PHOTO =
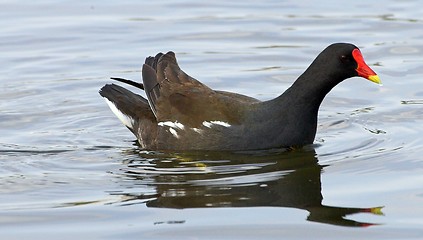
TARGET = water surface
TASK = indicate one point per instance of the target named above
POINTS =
(69, 169)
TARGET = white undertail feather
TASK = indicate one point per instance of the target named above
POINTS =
(125, 119)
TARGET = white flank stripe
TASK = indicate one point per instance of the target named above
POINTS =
(220, 123)
(174, 133)
(197, 130)
(175, 124)
(224, 124)
(125, 119)
(207, 124)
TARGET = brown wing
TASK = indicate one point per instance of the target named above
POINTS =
(175, 96)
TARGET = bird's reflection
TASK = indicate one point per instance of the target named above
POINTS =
(250, 179)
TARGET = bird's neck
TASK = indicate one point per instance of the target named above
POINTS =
(298, 108)
(308, 91)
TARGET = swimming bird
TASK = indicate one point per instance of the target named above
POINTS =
(182, 113)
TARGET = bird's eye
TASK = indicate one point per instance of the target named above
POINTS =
(344, 58)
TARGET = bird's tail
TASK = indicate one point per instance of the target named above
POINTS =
(129, 107)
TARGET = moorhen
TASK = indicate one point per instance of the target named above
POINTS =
(182, 113)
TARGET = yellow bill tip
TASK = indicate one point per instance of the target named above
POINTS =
(375, 79)
(377, 210)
